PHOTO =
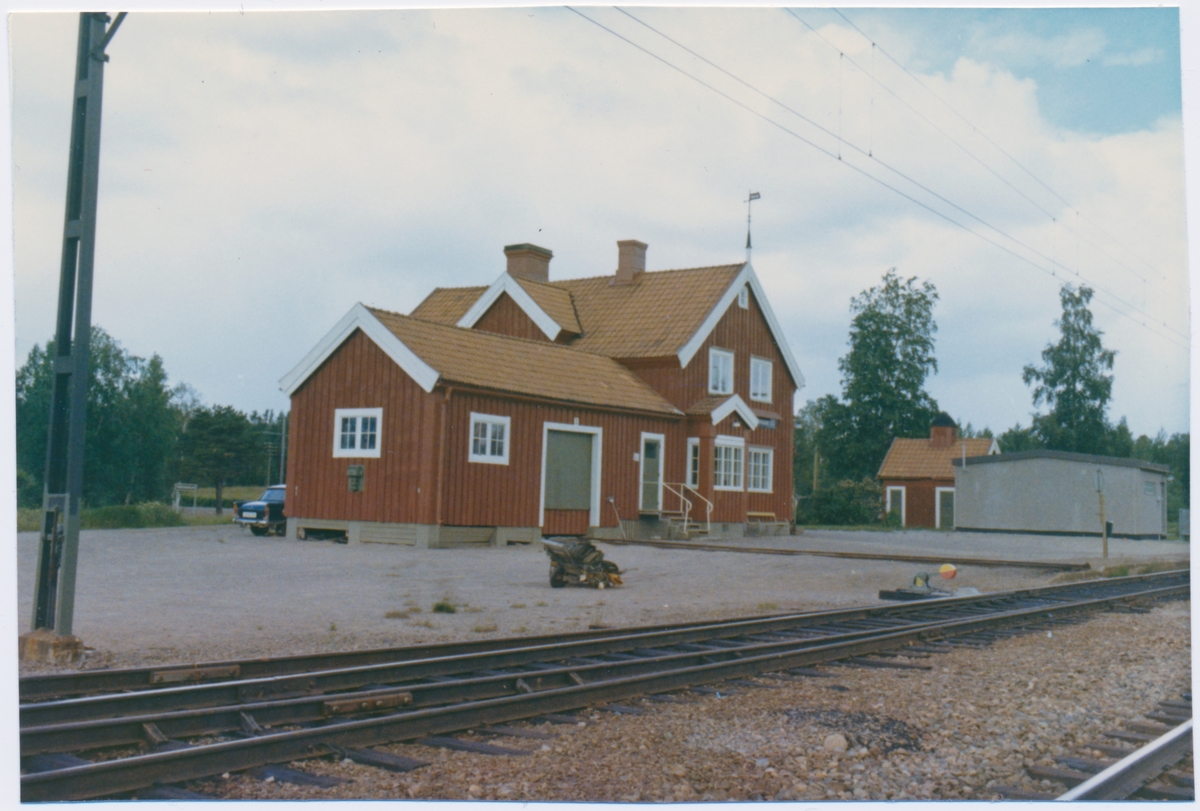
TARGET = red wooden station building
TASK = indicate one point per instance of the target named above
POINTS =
(637, 404)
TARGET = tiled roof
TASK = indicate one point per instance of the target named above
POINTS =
(520, 366)
(653, 317)
(706, 405)
(918, 459)
(446, 305)
(555, 302)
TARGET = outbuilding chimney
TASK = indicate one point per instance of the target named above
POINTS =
(943, 431)
(526, 261)
(631, 261)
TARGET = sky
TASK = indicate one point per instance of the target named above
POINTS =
(262, 172)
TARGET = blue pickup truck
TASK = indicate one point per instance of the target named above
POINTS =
(264, 516)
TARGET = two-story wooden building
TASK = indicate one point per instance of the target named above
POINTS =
(639, 403)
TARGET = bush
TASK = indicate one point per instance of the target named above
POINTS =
(130, 516)
(847, 502)
(444, 607)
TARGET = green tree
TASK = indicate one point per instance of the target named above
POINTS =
(883, 378)
(220, 446)
(129, 432)
(1072, 381)
(804, 442)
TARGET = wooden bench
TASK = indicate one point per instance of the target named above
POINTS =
(762, 520)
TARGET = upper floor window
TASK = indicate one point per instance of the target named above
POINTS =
(356, 432)
(760, 380)
(744, 298)
(727, 463)
(720, 371)
(489, 439)
(758, 469)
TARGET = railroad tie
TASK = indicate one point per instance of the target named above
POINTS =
(514, 732)
(383, 760)
(1161, 791)
(285, 774)
(1169, 718)
(1182, 779)
(711, 691)
(1084, 764)
(165, 792)
(52, 762)
(1013, 793)
(1155, 729)
(459, 745)
(809, 672)
(620, 709)
(667, 699)
(553, 718)
(862, 662)
(749, 683)
(1068, 777)
(1117, 752)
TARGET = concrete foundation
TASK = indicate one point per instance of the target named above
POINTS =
(421, 536)
(46, 647)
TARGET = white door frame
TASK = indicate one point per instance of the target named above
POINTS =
(937, 505)
(887, 505)
(597, 442)
(662, 446)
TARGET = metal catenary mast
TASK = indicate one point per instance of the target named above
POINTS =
(54, 594)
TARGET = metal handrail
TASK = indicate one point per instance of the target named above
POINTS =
(684, 500)
(708, 505)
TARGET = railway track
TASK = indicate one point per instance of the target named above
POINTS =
(149, 736)
(1141, 761)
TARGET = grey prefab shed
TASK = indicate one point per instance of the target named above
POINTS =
(1059, 493)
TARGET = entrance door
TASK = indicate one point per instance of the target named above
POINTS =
(651, 474)
(568, 484)
(945, 508)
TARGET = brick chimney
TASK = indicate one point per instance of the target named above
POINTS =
(631, 261)
(943, 431)
(526, 261)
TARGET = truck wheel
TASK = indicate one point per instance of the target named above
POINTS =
(259, 531)
(557, 578)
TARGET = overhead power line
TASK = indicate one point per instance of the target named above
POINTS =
(1006, 154)
(839, 157)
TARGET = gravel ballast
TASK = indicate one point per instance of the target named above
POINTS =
(971, 722)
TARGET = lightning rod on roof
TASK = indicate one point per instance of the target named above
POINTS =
(753, 196)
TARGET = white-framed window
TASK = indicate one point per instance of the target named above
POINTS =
(489, 439)
(693, 461)
(760, 380)
(356, 432)
(720, 371)
(744, 298)
(759, 467)
(727, 462)
(895, 503)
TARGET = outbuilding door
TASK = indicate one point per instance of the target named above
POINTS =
(945, 508)
(568, 484)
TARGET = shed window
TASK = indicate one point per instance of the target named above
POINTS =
(758, 469)
(727, 463)
(356, 432)
(760, 380)
(744, 298)
(693, 462)
(720, 371)
(489, 439)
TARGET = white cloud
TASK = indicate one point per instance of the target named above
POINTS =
(261, 173)
(1142, 56)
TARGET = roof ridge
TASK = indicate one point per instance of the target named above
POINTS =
(651, 272)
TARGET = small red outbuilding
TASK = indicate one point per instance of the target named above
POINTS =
(918, 478)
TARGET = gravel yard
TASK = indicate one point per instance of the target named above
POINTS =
(205, 593)
(973, 721)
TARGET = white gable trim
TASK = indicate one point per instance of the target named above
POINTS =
(507, 284)
(360, 317)
(735, 403)
(747, 276)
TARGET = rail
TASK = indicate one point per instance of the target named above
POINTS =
(686, 503)
(538, 680)
(1129, 774)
